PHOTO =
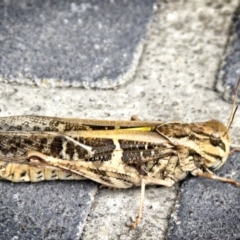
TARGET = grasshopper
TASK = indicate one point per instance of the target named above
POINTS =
(117, 154)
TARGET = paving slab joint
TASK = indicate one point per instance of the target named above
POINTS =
(219, 84)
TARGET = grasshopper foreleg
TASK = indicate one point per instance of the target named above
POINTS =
(200, 173)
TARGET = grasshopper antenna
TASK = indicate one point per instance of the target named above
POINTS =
(234, 107)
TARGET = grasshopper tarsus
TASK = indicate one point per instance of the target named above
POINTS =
(135, 224)
(234, 150)
(232, 181)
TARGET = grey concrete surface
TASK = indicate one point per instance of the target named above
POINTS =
(174, 81)
(53, 210)
(113, 212)
(72, 43)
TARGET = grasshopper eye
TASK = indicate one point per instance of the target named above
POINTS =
(215, 139)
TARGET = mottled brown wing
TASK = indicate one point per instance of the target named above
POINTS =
(75, 145)
(42, 123)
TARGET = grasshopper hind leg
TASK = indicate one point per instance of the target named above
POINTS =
(149, 181)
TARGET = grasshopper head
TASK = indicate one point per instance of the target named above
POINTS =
(217, 147)
(215, 144)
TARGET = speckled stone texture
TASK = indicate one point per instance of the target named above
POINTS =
(72, 43)
(46, 210)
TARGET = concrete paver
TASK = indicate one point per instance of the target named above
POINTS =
(52, 210)
(72, 43)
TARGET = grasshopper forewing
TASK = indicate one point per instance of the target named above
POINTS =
(118, 154)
